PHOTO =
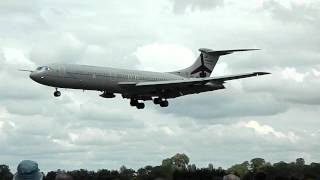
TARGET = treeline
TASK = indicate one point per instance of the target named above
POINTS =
(178, 168)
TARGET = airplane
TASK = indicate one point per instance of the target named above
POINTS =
(140, 86)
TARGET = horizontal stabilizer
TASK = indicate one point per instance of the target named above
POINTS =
(240, 76)
(223, 52)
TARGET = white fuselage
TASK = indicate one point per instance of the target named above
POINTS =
(94, 78)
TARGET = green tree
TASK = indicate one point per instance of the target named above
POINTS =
(180, 161)
(300, 162)
(5, 173)
(126, 173)
(122, 169)
(51, 175)
(167, 163)
(176, 162)
(239, 169)
(247, 164)
(257, 163)
(103, 174)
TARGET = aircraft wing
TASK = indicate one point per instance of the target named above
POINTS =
(187, 82)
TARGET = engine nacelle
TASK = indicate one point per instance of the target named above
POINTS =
(107, 95)
(215, 85)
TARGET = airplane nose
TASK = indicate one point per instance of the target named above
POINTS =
(32, 75)
(37, 76)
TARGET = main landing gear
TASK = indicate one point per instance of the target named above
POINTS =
(161, 102)
(140, 105)
(136, 103)
(57, 93)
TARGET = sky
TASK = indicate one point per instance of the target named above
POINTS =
(275, 117)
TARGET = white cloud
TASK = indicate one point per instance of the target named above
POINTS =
(164, 57)
(92, 136)
(14, 57)
(180, 6)
(169, 131)
(268, 130)
(260, 129)
(292, 74)
(221, 69)
(316, 72)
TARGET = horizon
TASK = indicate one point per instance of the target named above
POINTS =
(13, 170)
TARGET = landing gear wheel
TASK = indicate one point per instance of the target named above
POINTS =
(140, 105)
(57, 93)
(134, 102)
(157, 100)
(164, 103)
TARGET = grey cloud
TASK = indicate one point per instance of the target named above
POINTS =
(230, 103)
(21, 90)
(256, 146)
(16, 6)
(308, 13)
(2, 60)
(289, 90)
(181, 6)
(65, 48)
(282, 44)
(156, 147)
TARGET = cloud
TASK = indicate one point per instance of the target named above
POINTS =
(291, 73)
(291, 86)
(266, 130)
(13, 57)
(190, 5)
(286, 11)
(15, 6)
(164, 57)
(225, 104)
(65, 48)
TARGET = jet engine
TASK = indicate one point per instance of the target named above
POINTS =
(215, 85)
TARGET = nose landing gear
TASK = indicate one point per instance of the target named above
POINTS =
(57, 93)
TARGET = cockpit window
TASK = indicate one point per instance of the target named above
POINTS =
(43, 68)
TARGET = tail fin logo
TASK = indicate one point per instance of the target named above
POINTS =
(202, 68)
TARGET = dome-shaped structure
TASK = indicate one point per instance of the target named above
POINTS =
(231, 177)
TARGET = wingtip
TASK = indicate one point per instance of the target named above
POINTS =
(254, 49)
(262, 73)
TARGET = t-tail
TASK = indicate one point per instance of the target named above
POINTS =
(205, 63)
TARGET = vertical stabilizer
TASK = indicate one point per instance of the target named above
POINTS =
(205, 63)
